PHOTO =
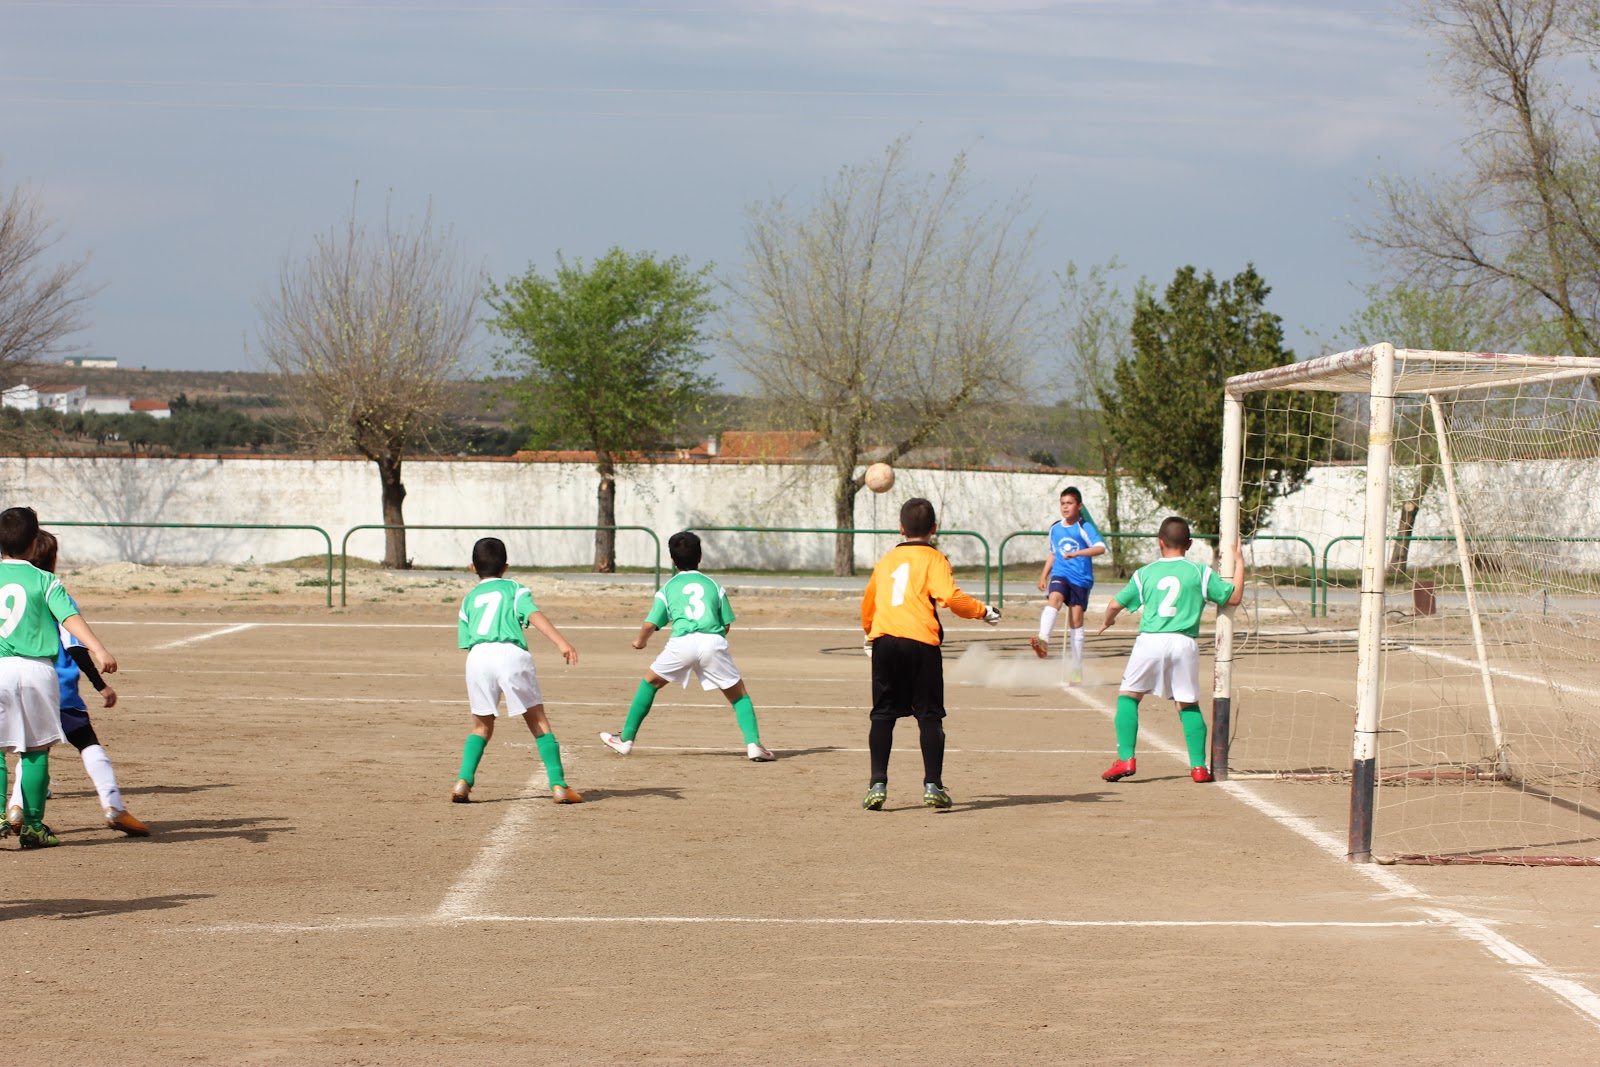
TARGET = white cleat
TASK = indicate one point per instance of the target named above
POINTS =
(617, 744)
(758, 754)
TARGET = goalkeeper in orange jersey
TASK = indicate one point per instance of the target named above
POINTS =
(899, 612)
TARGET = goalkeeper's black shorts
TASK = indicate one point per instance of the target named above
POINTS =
(907, 678)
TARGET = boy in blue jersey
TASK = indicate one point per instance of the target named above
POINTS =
(33, 608)
(74, 662)
(490, 624)
(1068, 576)
(1171, 594)
(697, 609)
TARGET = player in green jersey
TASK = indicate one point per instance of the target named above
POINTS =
(697, 609)
(490, 627)
(32, 604)
(1171, 594)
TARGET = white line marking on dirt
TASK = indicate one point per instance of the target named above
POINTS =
(553, 702)
(243, 626)
(1428, 653)
(1584, 1000)
(437, 919)
(484, 871)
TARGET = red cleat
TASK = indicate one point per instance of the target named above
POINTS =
(1200, 774)
(1040, 646)
(1123, 768)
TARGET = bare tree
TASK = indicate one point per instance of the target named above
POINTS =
(1520, 225)
(882, 311)
(41, 302)
(366, 332)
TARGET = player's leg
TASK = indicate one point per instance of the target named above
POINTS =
(471, 755)
(34, 771)
(1047, 617)
(716, 668)
(643, 698)
(39, 696)
(544, 739)
(1077, 603)
(928, 699)
(744, 712)
(891, 698)
(97, 764)
(1185, 657)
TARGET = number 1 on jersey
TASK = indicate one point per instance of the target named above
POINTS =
(900, 576)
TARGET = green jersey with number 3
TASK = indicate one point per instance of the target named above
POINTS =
(32, 602)
(693, 603)
(1173, 594)
(497, 609)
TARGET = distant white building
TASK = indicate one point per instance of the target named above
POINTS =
(90, 361)
(156, 409)
(107, 405)
(63, 398)
(22, 397)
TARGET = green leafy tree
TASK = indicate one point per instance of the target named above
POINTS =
(608, 357)
(1165, 400)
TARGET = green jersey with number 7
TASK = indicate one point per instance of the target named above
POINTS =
(1173, 594)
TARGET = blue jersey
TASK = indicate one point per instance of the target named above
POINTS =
(67, 672)
(1079, 570)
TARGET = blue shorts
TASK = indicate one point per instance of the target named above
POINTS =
(1077, 595)
(73, 719)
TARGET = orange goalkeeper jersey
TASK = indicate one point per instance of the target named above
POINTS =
(907, 586)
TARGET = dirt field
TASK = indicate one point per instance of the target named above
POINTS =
(310, 896)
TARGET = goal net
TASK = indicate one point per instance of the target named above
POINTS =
(1452, 502)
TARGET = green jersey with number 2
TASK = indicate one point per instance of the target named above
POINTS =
(497, 609)
(32, 602)
(693, 603)
(1173, 594)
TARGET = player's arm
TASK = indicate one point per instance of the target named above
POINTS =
(78, 627)
(1097, 546)
(1044, 575)
(538, 621)
(1131, 598)
(869, 602)
(644, 634)
(1113, 609)
(942, 587)
(1237, 596)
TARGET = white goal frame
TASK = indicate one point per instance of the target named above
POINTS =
(1388, 372)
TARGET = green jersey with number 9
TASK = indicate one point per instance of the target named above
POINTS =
(497, 609)
(1173, 594)
(693, 603)
(32, 602)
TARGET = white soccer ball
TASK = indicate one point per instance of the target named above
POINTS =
(880, 477)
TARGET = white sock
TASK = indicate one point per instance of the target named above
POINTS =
(1077, 645)
(98, 764)
(1047, 622)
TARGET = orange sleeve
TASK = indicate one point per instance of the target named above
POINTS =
(869, 602)
(942, 587)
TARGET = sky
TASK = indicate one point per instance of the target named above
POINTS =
(190, 148)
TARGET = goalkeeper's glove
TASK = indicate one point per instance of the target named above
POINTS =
(991, 615)
(866, 646)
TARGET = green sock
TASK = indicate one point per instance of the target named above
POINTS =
(35, 774)
(745, 712)
(643, 697)
(1127, 726)
(471, 753)
(1194, 732)
(550, 753)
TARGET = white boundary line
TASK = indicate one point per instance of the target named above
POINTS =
(1564, 687)
(462, 898)
(1581, 998)
(180, 643)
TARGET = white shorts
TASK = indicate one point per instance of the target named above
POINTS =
(1167, 665)
(499, 667)
(704, 654)
(30, 703)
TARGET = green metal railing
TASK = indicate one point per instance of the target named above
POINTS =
(1310, 548)
(344, 545)
(1471, 539)
(987, 587)
(218, 526)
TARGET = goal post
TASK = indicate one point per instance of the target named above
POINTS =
(1476, 734)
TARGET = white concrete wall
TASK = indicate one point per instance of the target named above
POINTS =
(337, 494)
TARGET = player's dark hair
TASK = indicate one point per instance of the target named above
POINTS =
(489, 557)
(1175, 533)
(917, 518)
(44, 550)
(18, 528)
(684, 548)
(1072, 491)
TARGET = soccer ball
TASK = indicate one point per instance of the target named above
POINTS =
(880, 477)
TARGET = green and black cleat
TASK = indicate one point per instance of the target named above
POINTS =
(877, 793)
(40, 836)
(934, 796)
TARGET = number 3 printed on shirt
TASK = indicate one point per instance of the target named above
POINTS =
(696, 608)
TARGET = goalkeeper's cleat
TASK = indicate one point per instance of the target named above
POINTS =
(877, 793)
(1123, 768)
(1201, 774)
(124, 821)
(1040, 646)
(934, 796)
(461, 792)
(616, 744)
(40, 836)
(757, 754)
(565, 794)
